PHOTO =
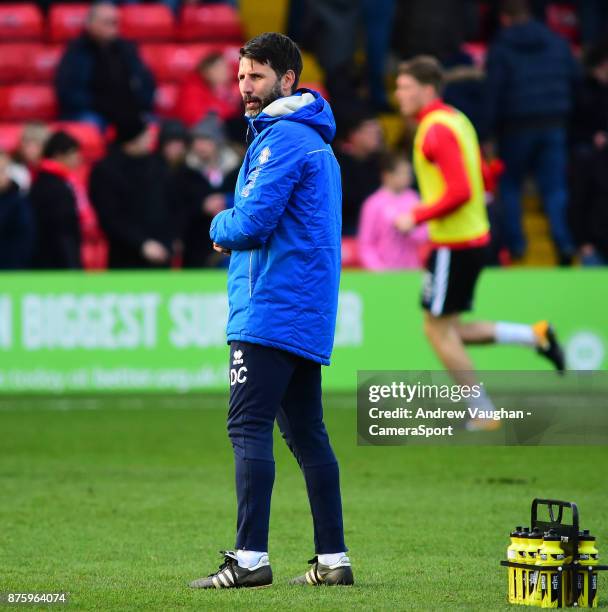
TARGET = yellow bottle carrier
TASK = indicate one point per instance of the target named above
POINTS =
(553, 564)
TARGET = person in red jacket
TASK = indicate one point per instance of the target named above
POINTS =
(209, 88)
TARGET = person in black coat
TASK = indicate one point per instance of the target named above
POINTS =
(127, 189)
(531, 76)
(359, 143)
(588, 211)
(203, 187)
(101, 78)
(54, 205)
(16, 223)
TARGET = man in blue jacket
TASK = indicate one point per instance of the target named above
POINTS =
(284, 238)
(531, 75)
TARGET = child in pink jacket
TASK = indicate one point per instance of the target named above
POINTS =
(381, 245)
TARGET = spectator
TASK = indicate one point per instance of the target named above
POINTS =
(204, 188)
(589, 209)
(211, 155)
(589, 120)
(173, 141)
(359, 144)
(29, 153)
(127, 191)
(589, 159)
(172, 148)
(101, 78)
(381, 245)
(530, 78)
(438, 28)
(58, 237)
(16, 223)
(210, 88)
(330, 30)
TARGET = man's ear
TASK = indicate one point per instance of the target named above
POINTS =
(287, 82)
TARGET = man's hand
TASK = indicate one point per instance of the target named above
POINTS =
(600, 139)
(155, 252)
(220, 249)
(405, 223)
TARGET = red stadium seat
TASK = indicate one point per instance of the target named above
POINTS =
(66, 21)
(166, 98)
(169, 62)
(28, 62)
(562, 19)
(350, 253)
(10, 135)
(20, 22)
(11, 61)
(147, 22)
(91, 141)
(216, 22)
(43, 62)
(24, 102)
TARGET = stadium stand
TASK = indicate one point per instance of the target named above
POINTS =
(172, 62)
(216, 22)
(66, 21)
(20, 22)
(28, 62)
(10, 135)
(147, 22)
(27, 101)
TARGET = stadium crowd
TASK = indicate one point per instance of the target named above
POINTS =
(139, 145)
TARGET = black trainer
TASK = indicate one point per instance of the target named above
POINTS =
(340, 573)
(548, 345)
(232, 576)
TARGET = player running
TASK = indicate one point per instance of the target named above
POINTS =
(447, 163)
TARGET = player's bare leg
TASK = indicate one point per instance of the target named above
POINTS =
(444, 334)
(477, 332)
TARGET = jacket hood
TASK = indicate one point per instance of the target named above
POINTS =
(527, 36)
(305, 106)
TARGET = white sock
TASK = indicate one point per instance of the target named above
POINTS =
(251, 558)
(331, 559)
(515, 333)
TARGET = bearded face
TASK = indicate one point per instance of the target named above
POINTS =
(259, 86)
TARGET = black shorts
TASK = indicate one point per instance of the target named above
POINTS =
(449, 284)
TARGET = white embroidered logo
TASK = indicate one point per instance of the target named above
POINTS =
(264, 155)
(237, 358)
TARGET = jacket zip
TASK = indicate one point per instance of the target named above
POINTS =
(250, 265)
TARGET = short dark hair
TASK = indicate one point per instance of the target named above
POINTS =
(516, 9)
(389, 161)
(426, 69)
(209, 59)
(276, 50)
(60, 143)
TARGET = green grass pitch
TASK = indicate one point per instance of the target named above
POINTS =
(122, 502)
